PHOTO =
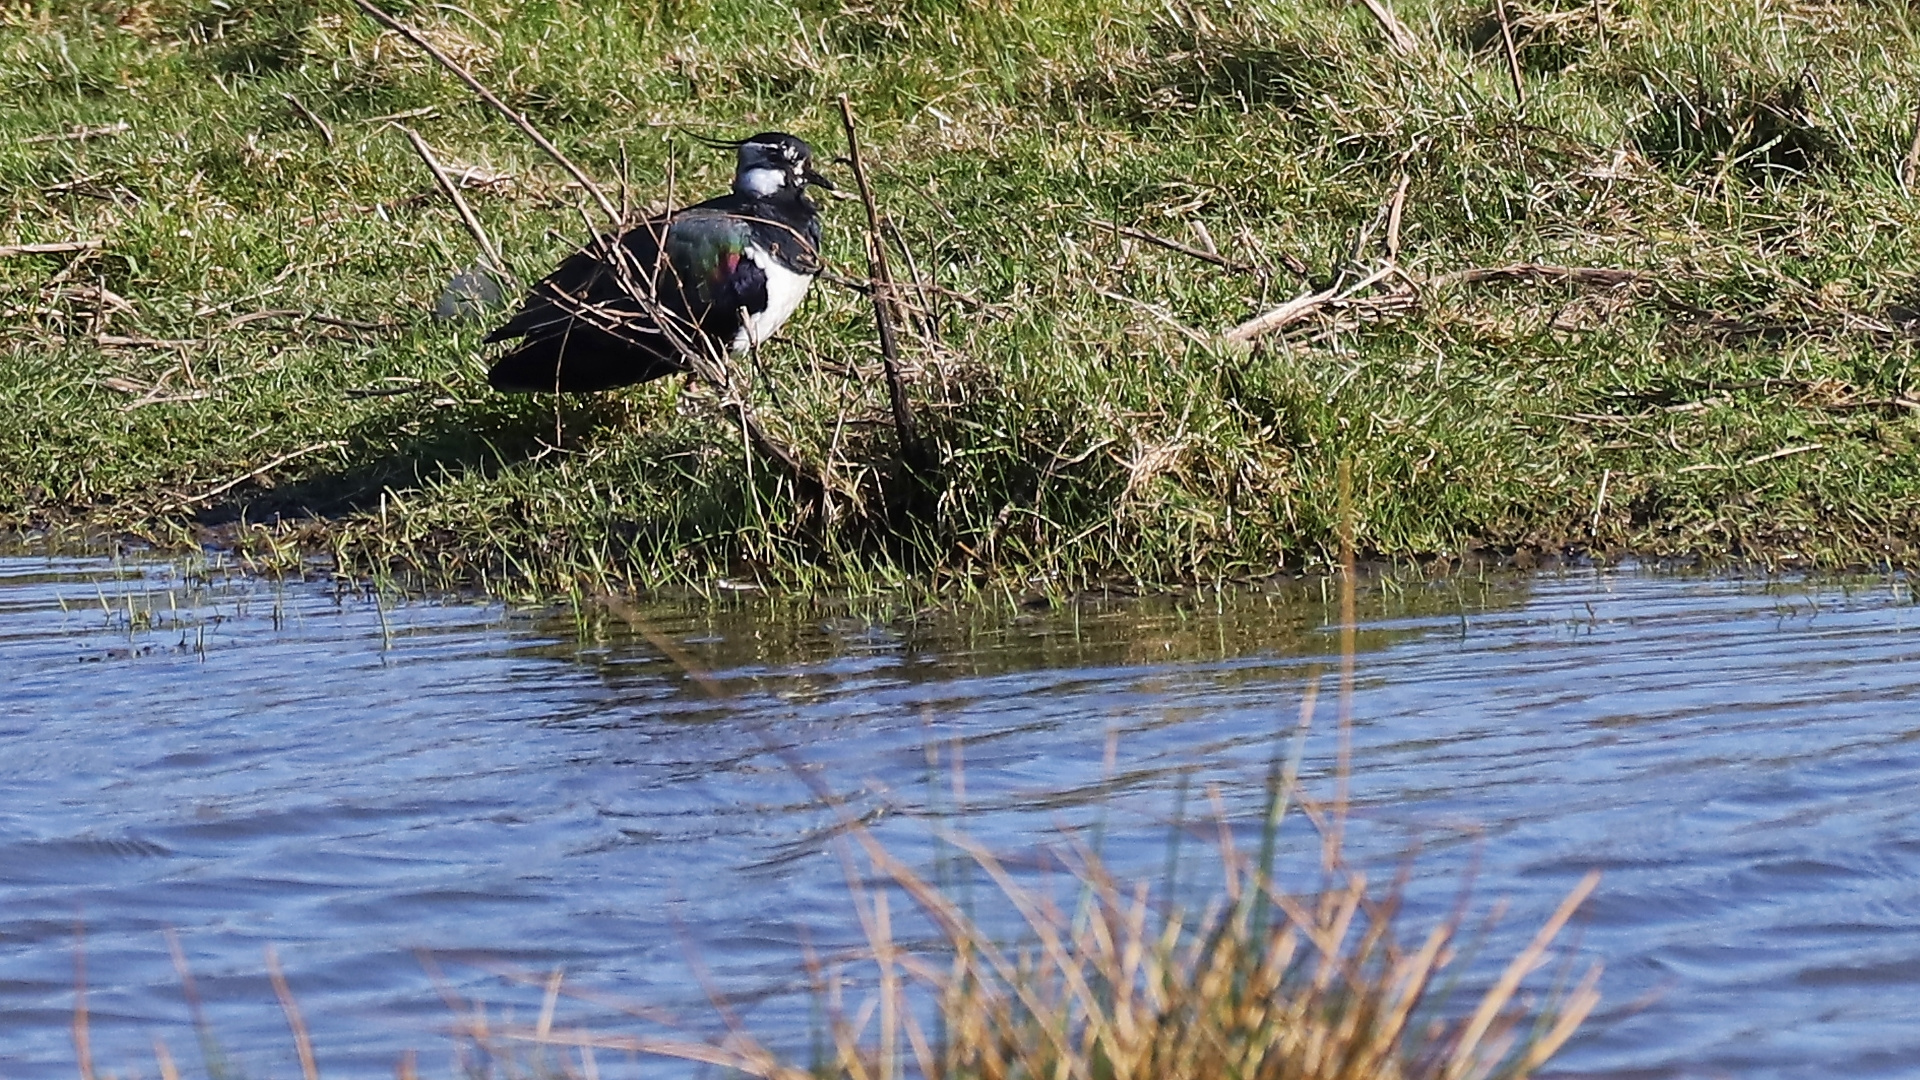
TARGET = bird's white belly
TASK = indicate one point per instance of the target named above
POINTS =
(785, 290)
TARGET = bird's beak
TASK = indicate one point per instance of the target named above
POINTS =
(817, 180)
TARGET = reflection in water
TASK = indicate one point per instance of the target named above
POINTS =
(253, 763)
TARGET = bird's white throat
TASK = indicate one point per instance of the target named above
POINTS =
(785, 290)
(760, 182)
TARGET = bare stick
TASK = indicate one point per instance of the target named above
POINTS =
(1910, 168)
(122, 341)
(927, 308)
(1289, 312)
(882, 295)
(1216, 259)
(220, 489)
(61, 247)
(296, 315)
(1394, 210)
(1301, 306)
(1603, 276)
(1513, 55)
(80, 134)
(1397, 35)
(1784, 452)
(452, 192)
(501, 107)
(310, 117)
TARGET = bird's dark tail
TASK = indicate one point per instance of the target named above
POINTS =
(578, 362)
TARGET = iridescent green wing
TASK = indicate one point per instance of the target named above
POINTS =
(708, 251)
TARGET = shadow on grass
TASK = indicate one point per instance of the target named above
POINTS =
(405, 447)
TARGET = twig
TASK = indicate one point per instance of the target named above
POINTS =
(310, 117)
(220, 489)
(118, 341)
(1910, 168)
(1783, 452)
(170, 399)
(308, 316)
(210, 1055)
(1394, 209)
(1604, 276)
(1513, 55)
(1287, 313)
(1600, 500)
(1158, 312)
(452, 192)
(421, 113)
(853, 284)
(1403, 42)
(516, 119)
(1216, 259)
(1787, 451)
(881, 283)
(1206, 238)
(1301, 306)
(61, 247)
(928, 306)
(80, 134)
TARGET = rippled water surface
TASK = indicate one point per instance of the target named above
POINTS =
(249, 764)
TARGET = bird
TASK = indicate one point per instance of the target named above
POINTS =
(730, 270)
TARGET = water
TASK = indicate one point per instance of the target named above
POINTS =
(252, 764)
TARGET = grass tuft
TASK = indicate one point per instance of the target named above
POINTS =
(1756, 130)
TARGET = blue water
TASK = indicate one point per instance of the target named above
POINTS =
(427, 805)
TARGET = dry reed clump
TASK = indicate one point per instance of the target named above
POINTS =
(1109, 982)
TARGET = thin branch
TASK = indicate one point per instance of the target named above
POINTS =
(882, 294)
(1395, 208)
(80, 134)
(61, 247)
(1215, 258)
(297, 315)
(122, 341)
(310, 117)
(1398, 36)
(1301, 306)
(516, 119)
(452, 191)
(1546, 273)
(220, 489)
(1910, 168)
(1513, 54)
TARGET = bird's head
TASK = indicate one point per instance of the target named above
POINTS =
(774, 162)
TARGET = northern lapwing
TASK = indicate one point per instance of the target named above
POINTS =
(724, 273)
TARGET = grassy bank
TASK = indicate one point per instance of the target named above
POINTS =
(1747, 393)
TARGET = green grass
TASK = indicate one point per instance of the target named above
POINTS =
(1089, 423)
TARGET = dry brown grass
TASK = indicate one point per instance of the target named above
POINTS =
(1107, 982)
